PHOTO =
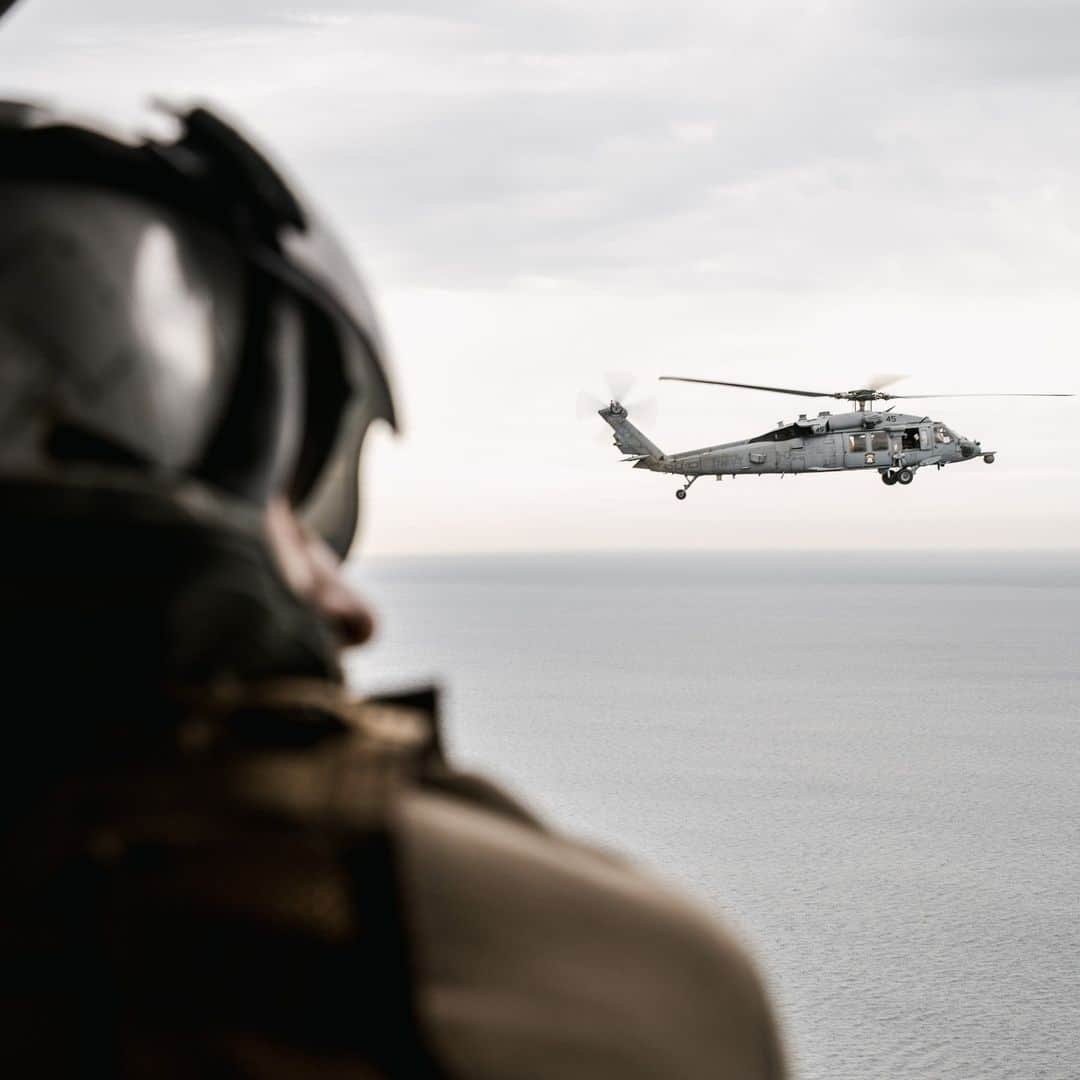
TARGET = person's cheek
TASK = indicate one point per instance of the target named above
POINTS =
(313, 572)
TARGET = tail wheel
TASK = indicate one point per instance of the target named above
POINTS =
(905, 475)
(680, 494)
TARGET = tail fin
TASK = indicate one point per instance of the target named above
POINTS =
(627, 437)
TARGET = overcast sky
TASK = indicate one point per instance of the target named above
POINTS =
(542, 192)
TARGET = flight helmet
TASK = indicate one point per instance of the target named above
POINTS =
(175, 306)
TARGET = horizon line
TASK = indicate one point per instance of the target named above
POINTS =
(1070, 552)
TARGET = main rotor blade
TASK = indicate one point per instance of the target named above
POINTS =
(911, 397)
(749, 386)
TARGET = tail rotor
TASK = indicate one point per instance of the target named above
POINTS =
(642, 408)
(620, 386)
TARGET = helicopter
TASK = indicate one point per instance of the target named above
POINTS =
(896, 445)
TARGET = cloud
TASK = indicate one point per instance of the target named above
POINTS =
(987, 40)
(786, 146)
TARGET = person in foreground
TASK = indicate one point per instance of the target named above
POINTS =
(217, 862)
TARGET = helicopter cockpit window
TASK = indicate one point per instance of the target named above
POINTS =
(856, 444)
(942, 435)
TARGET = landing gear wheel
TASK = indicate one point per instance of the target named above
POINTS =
(905, 476)
(680, 494)
(988, 458)
(888, 478)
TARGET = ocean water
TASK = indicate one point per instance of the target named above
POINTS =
(866, 765)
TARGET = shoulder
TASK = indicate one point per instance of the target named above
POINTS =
(537, 956)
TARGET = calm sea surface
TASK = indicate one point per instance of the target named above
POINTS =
(868, 766)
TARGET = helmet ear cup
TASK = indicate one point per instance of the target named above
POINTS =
(121, 330)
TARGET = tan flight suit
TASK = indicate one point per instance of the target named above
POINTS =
(537, 957)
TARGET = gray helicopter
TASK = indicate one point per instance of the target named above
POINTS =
(895, 444)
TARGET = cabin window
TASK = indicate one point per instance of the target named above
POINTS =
(880, 440)
(856, 444)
